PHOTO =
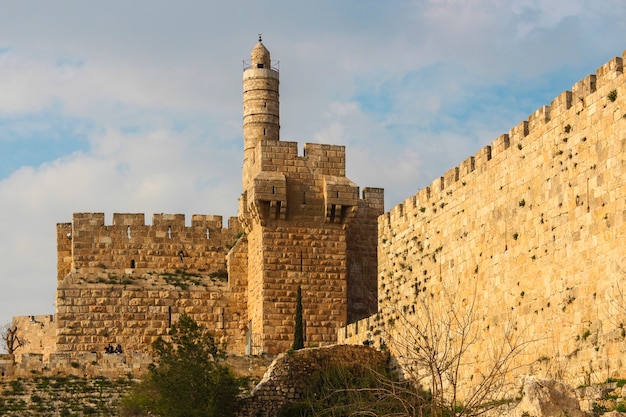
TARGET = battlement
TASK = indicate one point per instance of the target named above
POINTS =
(530, 226)
(582, 101)
(129, 243)
(283, 156)
(158, 219)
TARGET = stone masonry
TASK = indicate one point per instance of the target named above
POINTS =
(530, 231)
(301, 223)
(300, 215)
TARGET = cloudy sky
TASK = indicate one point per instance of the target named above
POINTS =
(135, 106)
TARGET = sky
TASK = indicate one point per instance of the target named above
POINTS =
(136, 106)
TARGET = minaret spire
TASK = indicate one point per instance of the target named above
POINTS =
(260, 105)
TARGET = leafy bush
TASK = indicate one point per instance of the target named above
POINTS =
(189, 379)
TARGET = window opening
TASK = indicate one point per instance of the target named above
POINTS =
(132, 264)
(128, 232)
(208, 234)
(169, 232)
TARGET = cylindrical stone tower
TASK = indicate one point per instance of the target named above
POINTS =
(260, 105)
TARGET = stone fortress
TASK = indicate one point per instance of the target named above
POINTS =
(301, 223)
(527, 231)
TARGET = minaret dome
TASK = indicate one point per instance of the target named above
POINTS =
(261, 119)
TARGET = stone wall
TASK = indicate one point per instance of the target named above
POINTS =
(135, 311)
(528, 229)
(286, 378)
(126, 283)
(82, 364)
(362, 255)
(129, 243)
(305, 222)
(39, 333)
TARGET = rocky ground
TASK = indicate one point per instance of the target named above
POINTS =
(67, 396)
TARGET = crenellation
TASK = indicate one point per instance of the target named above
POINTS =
(481, 158)
(129, 219)
(450, 177)
(535, 232)
(609, 72)
(538, 119)
(584, 88)
(517, 134)
(168, 220)
(374, 197)
(560, 105)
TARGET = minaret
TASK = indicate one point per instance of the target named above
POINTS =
(260, 105)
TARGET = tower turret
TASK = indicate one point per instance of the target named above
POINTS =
(260, 105)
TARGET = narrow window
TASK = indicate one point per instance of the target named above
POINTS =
(263, 131)
(169, 318)
(259, 65)
(208, 234)
(128, 232)
(132, 264)
(169, 232)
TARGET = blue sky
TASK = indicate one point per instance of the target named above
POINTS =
(135, 106)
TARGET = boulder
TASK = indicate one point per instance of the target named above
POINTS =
(546, 398)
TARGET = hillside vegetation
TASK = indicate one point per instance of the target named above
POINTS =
(62, 396)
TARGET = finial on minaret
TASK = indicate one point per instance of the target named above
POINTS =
(260, 40)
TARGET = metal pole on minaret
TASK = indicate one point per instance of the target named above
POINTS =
(260, 105)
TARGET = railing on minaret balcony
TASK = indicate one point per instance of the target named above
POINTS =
(275, 65)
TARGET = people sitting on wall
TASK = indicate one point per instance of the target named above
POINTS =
(111, 349)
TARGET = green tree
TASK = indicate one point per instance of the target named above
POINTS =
(298, 334)
(189, 379)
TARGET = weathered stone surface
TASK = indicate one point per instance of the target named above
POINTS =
(532, 234)
(285, 379)
(547, 398)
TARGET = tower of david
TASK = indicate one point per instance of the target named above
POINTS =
(527, 235)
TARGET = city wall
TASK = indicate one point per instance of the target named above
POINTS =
(527, 234)
(87, 244)
(128, 282)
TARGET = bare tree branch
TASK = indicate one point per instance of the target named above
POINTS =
(10, 338)
(434, 344)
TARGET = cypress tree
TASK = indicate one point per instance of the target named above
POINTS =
(298, 334)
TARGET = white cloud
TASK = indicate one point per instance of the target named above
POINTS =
(154, 88)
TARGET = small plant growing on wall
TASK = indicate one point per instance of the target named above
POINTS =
(612, 96)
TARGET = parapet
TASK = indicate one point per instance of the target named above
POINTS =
(129, 243)
(282, 156)
(374, 198)
(158, 220)
(583, 94)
